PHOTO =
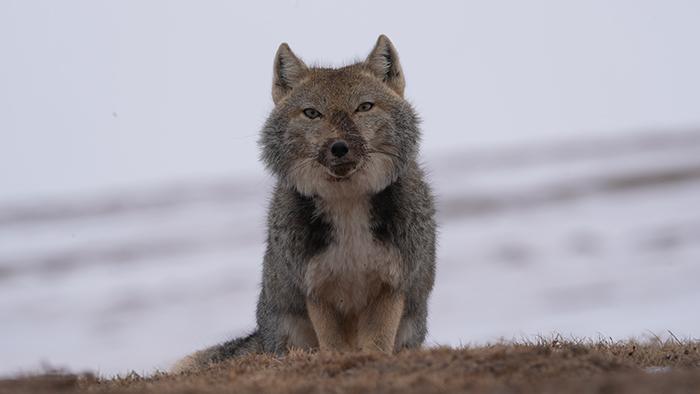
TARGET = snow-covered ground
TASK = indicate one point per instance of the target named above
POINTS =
(561, 138)
(588, 237)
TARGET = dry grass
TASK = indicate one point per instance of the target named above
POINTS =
(547, 366)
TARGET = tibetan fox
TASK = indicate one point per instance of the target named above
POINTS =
(350, 259)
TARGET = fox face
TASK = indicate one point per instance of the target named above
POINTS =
(339, 131)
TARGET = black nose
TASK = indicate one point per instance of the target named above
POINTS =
(339, 148)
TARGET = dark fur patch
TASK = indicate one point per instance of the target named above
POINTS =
(383, 213)
(315, 229)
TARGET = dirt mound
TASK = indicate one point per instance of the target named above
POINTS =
(552, 366)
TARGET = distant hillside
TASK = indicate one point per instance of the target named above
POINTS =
(589, 236)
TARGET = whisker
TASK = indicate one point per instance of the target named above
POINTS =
(302, 164)
(394, 155)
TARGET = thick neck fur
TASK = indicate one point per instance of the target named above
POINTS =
(355, 264)
(336, 205)
(349, 215)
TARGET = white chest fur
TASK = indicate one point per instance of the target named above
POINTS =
(354, 267)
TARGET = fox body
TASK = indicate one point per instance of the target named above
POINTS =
(350, 259)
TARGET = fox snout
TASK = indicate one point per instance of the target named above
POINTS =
(341, 156)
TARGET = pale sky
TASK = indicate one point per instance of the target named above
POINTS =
(101, 95)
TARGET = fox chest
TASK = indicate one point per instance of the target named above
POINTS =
(353, 268)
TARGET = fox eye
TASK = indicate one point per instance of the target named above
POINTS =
(311, 113)
(364, 107)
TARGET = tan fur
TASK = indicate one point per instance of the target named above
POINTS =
(193, 362)
(349, 284)
(379, 322)
(353, 270)
(372, 329)
(329, 327)
(300, 332)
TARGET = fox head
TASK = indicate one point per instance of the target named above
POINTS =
(339, 132)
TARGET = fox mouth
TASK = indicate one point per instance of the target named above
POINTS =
(342, 171)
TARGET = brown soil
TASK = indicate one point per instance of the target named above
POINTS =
(551, 366)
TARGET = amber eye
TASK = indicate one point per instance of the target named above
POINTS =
(311, 113)
(364, 107)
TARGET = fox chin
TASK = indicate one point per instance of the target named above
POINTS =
(350, 257)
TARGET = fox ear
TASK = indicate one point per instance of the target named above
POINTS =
(288, 71)
(383, 61)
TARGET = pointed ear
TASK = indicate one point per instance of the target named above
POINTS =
(383, 61)
(288, 71)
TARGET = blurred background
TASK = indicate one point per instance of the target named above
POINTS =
(562, 141)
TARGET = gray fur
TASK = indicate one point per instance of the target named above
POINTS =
(303, 220)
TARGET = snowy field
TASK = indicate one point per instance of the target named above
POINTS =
(588, 237)
(562, 140)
